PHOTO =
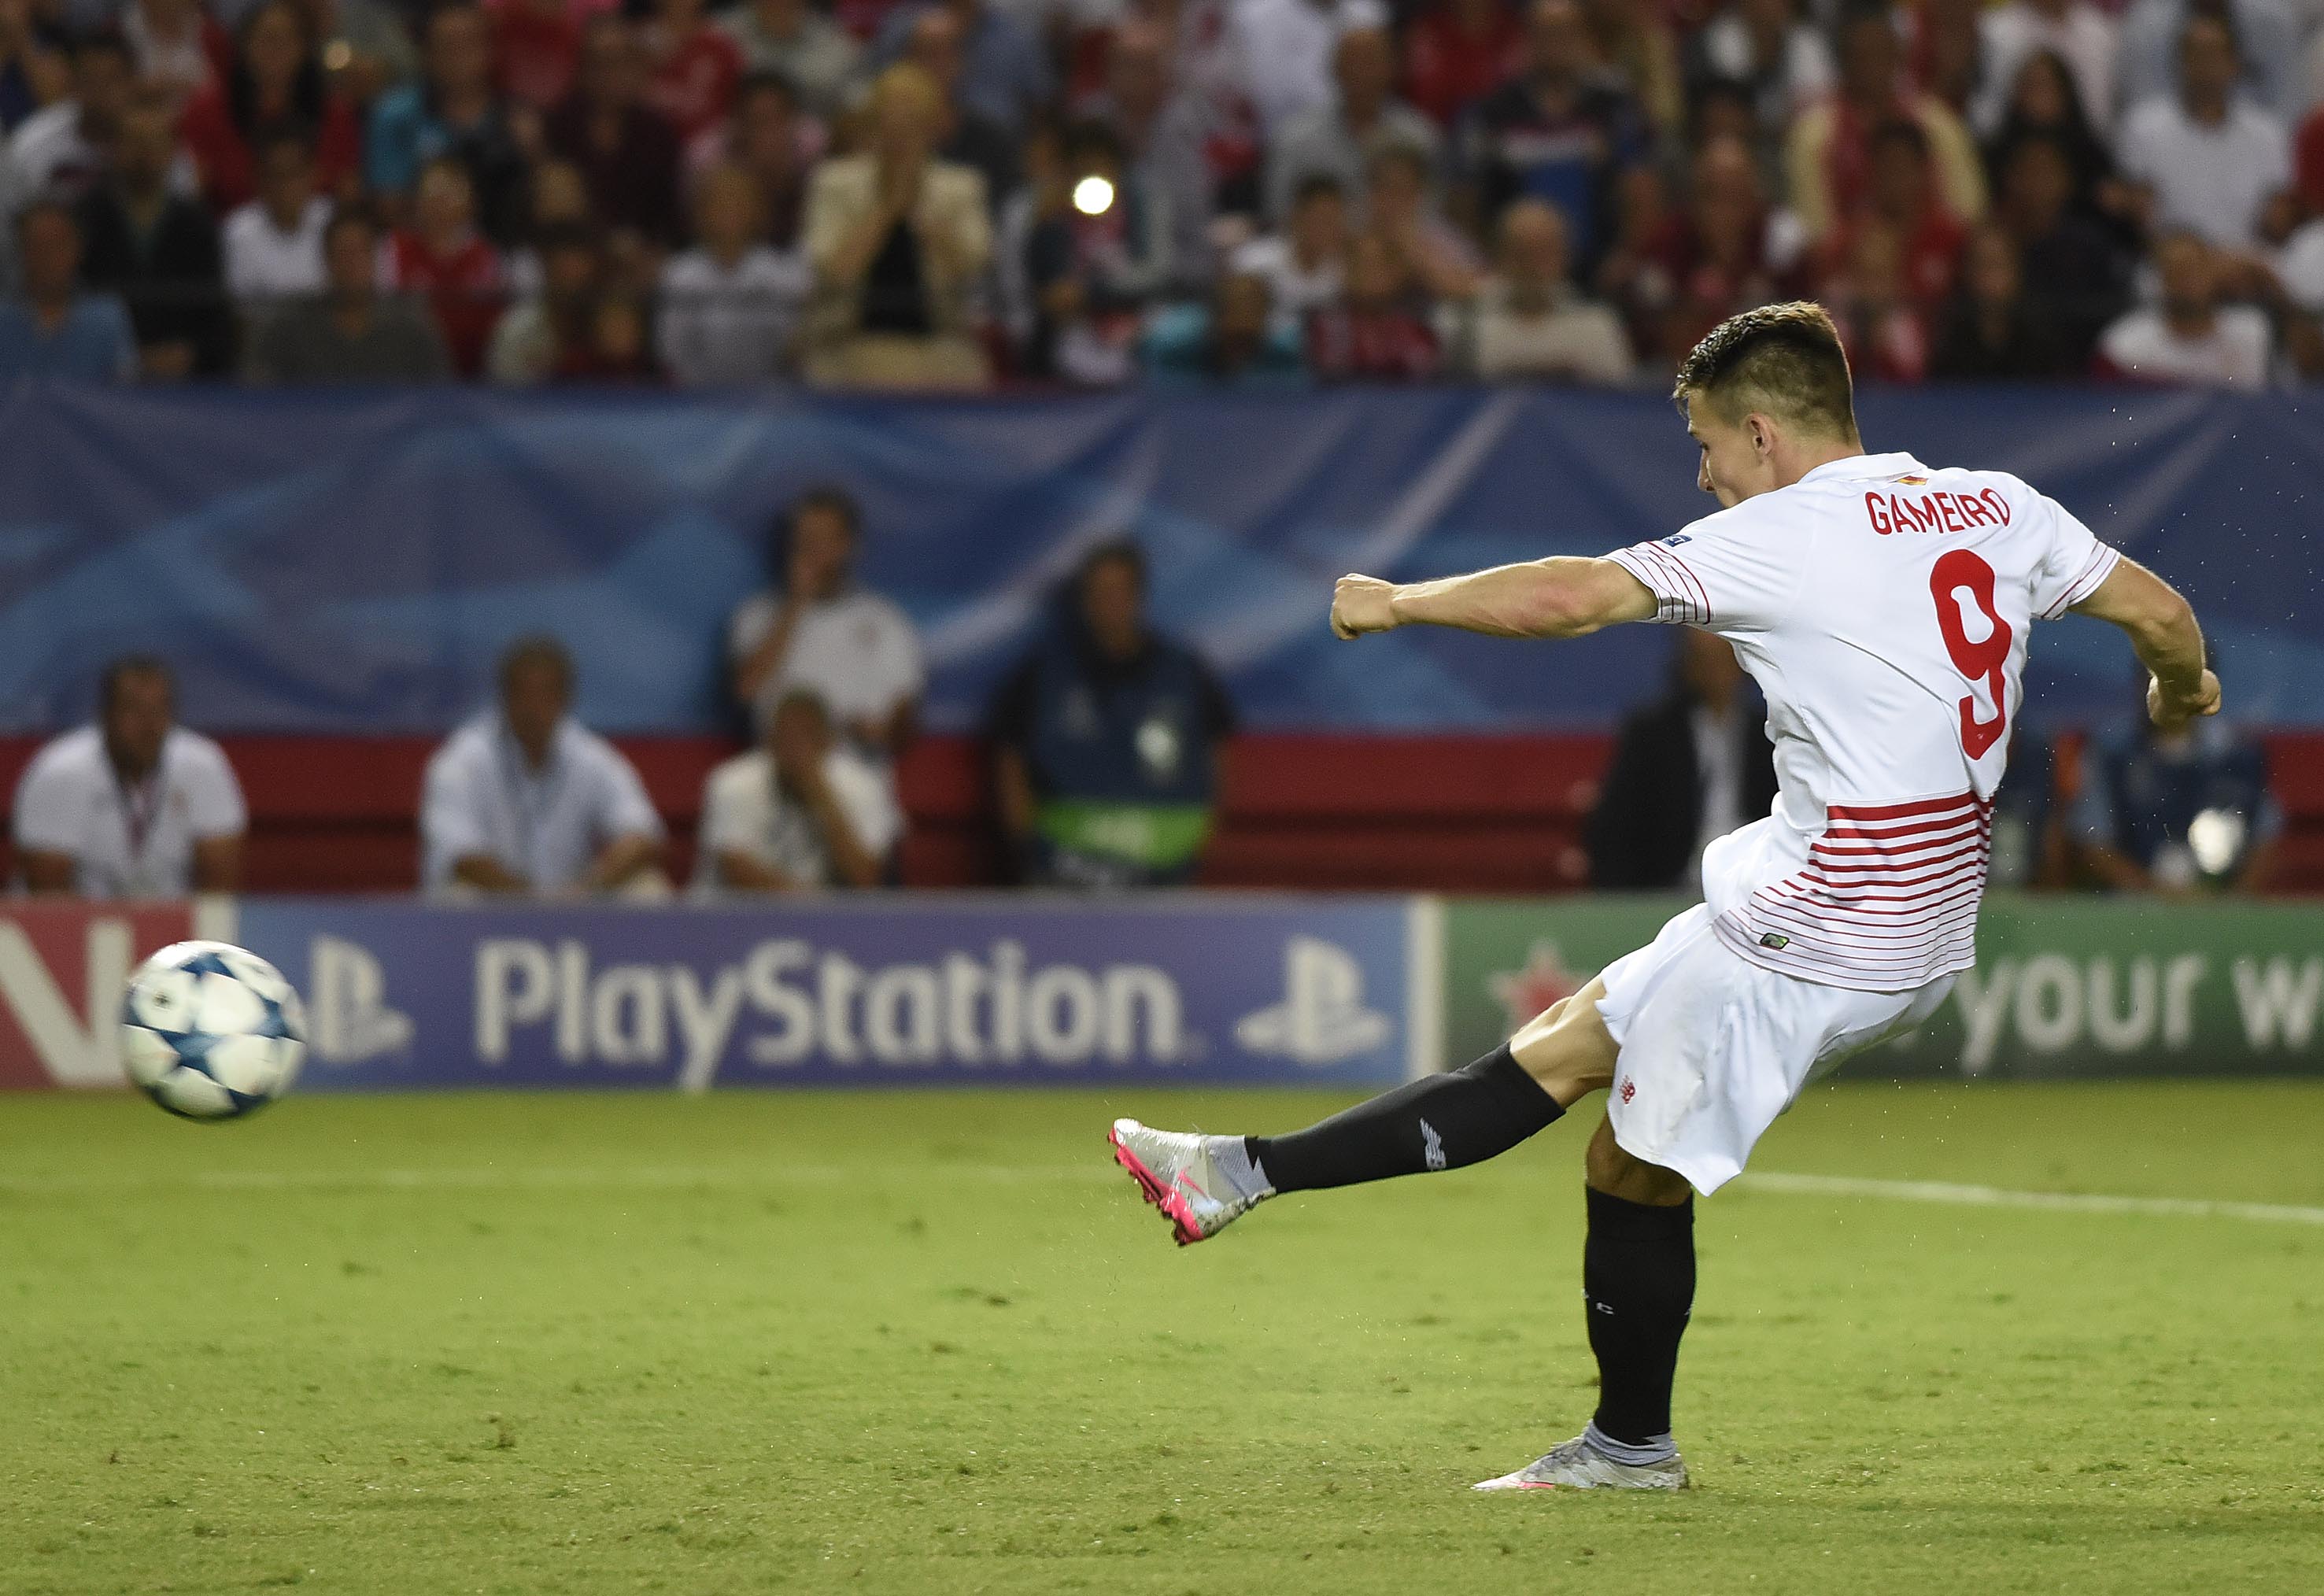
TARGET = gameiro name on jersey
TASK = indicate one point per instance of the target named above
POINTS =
(1883, 607)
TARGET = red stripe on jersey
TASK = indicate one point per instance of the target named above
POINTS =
(1967, 800)
(1887, 899)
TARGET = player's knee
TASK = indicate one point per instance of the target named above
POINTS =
(1608, 1169)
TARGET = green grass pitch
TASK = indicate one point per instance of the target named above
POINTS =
(932, 1342)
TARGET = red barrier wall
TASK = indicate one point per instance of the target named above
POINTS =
(1469, 813)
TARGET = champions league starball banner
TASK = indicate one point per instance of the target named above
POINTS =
(349, 562)
(1217, 990)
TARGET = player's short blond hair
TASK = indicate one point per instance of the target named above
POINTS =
(1784, 361)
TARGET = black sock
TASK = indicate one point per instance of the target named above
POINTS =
(1638, 1283)
(1441, 1122)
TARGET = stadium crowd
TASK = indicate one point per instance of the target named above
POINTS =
(955, 193)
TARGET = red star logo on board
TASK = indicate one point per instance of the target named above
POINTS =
(1524, 993)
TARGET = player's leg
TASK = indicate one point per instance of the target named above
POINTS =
(1442, 1122)
(1638, 1289)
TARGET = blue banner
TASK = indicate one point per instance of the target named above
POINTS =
(901, 991)
(334, 562)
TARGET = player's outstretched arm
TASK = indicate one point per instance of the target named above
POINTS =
(1560, 596)
(2161, 629)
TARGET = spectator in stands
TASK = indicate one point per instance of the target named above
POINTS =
(1083, 248)
(1235, 341)
(2208, 161)
(133, 805)
(899, 242)
(1725, 252)
(1945, 52)
(1828, 155)
(1458, 52)
(1337, 138)
(2074, 33)
(965, 134)
(523, 800)
(2073, 274)
(351, 332)
(695, 66)
(792, 39)
(729, 305)
(1164, 130)
(175, 46)
(1901, 197)
(27, 66)
(1687, 769)
(277, 80)
(1781, 62)
(1881, 323)
(556, 197)
(442, 257)
(804, 809)
(1993, 332)
(2190, 336)
(1374, 332)
(767, 138)
(1286, 52)
(627, 152)
(58, 151)
(156, 249)
(619, 348)
(56, 329)
(273, 246)
(2267, 34)
(367, 46)
(1634, 42)
(549, 327)
(537, 51)
(1005, 78)
(1106, 740)
(1530, 322)
(2173, 811)
(1402, 212)
(820, 630)
(1301, 264)
(2045, 103)
(1560, 134)
(454, 110)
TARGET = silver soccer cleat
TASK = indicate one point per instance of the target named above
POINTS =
(1180, 1174)
(1579, 1466)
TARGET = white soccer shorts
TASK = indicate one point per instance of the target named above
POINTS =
(1714, 1046)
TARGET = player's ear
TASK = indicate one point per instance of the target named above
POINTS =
(1763, 434)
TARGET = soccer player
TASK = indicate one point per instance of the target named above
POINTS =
(1882, 606)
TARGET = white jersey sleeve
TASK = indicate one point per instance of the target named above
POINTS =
(1736, 571)
(2074, 563)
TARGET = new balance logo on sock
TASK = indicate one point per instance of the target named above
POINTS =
(1432, 1146)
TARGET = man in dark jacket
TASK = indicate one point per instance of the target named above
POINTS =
(1690, 767)
(1105, 741)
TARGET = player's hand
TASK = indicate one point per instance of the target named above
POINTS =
(2171, 712)
(1362, 604)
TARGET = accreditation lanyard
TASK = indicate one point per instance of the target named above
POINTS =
(141, 801)
(531, 800)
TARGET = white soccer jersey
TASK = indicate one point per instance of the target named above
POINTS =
(1882, 608)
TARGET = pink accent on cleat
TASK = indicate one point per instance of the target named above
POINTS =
(1174, 1206)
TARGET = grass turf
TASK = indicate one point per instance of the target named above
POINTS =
(932, 1344)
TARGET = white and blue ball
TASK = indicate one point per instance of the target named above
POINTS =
(211, 1031)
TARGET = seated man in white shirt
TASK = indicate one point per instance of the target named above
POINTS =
(523, 800)
(133, 806)
(820, 630)
(2190, 336)
(801, 810)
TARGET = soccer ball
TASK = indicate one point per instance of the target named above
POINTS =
(211, 1031)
